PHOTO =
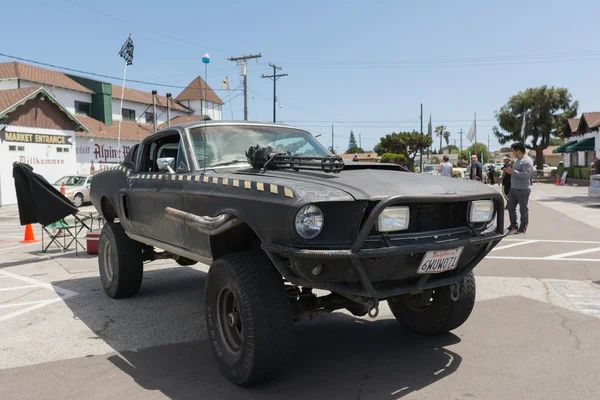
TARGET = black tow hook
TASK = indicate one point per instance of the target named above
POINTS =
(455, 291)
(373, 307)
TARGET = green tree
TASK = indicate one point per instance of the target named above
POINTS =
(406, 143)
(546, 112)
(505, 150)
(379, 150)
(435, 160)
(451, 149)
(556, 141)
(478, 149)
(441, 131)
(352, 145)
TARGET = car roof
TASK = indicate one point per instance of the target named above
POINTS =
(194, 124)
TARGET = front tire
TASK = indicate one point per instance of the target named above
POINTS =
(78, 200)
(120, 262)
(434, 312)
(248, 317)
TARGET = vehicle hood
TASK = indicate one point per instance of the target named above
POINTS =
(375, 184)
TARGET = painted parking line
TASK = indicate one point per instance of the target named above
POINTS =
(542, 259)
(6, 289)
(550, 241)
(572, 253)
(62, 294)
(508, 246)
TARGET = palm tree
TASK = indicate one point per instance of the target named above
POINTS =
(442, 133)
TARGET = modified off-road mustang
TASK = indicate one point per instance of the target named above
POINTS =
(276, 215)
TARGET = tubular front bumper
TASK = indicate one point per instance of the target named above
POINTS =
(389, 271)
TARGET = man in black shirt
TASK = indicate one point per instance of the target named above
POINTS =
(476, 169)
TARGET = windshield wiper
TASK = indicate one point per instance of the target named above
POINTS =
(230, 163)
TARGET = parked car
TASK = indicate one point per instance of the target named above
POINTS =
(77, 188)
(431, 169)
(594, 188)
(276, 215)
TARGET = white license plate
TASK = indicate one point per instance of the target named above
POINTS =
(438, 261)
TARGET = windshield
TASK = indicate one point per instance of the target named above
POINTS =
(71, 180)
(227, 144)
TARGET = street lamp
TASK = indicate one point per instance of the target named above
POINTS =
(205, 60)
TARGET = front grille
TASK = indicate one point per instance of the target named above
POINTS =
(432, 216)
(436, 216)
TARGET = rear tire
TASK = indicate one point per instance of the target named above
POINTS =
(248, 317)
(78, 200)
(434, 312)
(120, 262)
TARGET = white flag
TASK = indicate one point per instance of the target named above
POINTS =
(523, 128)
(472, 132)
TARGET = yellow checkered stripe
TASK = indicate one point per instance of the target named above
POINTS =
(215, 180)
(125, 170)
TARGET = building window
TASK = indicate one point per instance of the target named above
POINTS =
(149, 118)
(62, 149)
(83, 108)
(16, 148)
(128, 115)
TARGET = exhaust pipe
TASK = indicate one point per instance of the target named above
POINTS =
(208, 225)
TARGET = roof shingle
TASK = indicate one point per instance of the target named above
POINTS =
(138, 96)
(10, 97)
(182, 119)
(35, 74)
(195, 91)
(592, 119)
(129, 130)
(573, 124)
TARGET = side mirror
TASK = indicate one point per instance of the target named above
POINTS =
(164, 164)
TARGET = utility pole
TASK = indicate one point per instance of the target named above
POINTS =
(360, 140)
(421, 151)
(332, 148)
(274, 77)
(461, 133)
(241, 61)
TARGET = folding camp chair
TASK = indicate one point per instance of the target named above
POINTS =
(69, 233)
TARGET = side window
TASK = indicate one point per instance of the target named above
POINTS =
(167, 148)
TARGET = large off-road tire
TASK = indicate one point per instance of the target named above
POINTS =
(120, 262)
(248, 317)
(434, 312)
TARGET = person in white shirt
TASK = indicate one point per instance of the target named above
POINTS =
(445, 168)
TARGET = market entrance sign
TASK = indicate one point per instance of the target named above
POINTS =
(34, 138)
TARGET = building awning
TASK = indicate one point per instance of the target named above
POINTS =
(588, 144)
(562, 149)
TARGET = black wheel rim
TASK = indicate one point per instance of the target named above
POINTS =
(230, 321)
(420, 302)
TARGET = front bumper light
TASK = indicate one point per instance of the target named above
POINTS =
(393, 219)
(481, 211)
(309, 221)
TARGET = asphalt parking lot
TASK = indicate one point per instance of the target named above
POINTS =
(533, 334)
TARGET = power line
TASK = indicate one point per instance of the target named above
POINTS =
(114, 78)
(134, 25)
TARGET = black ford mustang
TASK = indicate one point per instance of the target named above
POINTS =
(276, 215)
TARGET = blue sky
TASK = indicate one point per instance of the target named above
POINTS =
(358, 65)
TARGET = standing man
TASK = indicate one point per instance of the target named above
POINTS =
(445, 168)
(476, 169)
(520, 188)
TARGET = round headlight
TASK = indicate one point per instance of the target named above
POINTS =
(309, 221)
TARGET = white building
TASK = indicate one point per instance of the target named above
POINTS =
(63, 124)
(583, 145)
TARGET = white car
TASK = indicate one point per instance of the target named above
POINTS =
(430, 169)
(594, 188)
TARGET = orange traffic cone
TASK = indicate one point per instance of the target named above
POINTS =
(29, 237)
(62, 189)
(557, 179)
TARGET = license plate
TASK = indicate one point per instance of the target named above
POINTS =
(438, 261)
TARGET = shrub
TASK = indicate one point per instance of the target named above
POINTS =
(456, 174)
(571, 171)
(393, 158)
(577, 172)
(585, 173)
